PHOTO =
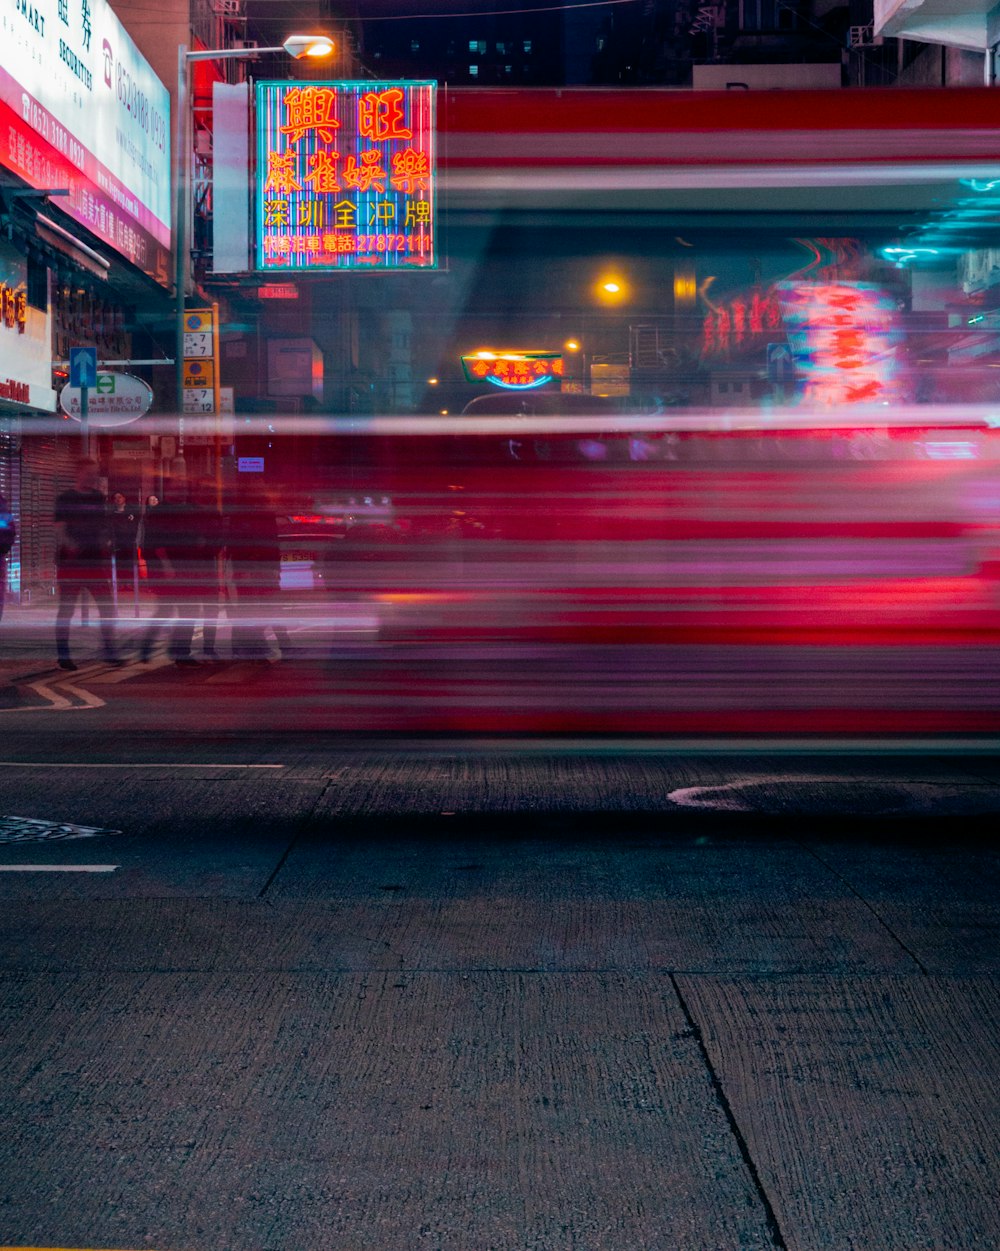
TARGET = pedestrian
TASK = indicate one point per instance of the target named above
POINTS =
(8, 533)
(83, 560)
(203, 543)
(169, 540)
(255, 556)
(124, 539)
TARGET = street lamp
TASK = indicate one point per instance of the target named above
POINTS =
(574, 346)
(297, 46)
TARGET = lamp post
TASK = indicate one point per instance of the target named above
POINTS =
(574, 346)
(297, 46)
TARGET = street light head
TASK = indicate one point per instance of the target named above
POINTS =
(611, 289)
(301, 46)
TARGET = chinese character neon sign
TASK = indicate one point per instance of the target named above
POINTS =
(346, 176)
(514, 371)
(846, 338)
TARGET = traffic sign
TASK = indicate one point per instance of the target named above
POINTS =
(82, 366)
(199, 400)
(199, 373)
(198, 319)
(780, 363)
(197, 343)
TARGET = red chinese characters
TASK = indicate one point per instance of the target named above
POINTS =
(310, 109)
(380, 115)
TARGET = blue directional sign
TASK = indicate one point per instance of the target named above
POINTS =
(83, 367)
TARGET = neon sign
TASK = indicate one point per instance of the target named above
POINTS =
(844, 336)
(346, 176)
(740, 323)
(514, 371)
(13, 307)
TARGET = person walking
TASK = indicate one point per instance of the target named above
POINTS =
(124, 541)
(83, 560)
(255, 555)
(8, 533)
(169, 541)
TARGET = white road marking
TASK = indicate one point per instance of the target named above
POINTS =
(715, 797)
(88, 698)
(127, 764)
(53, 699)
(131, 670)
(56, 689)
(58, 868)
(14, 829)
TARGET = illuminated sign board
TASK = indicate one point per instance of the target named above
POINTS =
(25, 338)
(845, 338)
(80, 108)
(345, 176)
(514, 371)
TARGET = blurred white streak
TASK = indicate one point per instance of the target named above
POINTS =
(855, 417)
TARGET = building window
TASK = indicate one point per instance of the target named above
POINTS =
(763, 15)
(527, 45)
(38, 284)
(414, 45)
(478, 45)
(473, 71)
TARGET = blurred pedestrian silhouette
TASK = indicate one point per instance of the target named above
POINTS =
(205, 556)
(83, 559)
(124, 521)
(255, 558)
(173, 549)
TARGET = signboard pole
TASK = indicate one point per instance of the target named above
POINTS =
(83, 374)
(84, 413)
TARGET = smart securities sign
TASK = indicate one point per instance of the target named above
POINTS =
(81, 108)
(346, 176)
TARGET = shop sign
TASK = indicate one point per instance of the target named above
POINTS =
(740, 324)
(25, 338)
(81, 109)
(346, 176)
(513, 371)
(846, 338)
(115, 400)
(13, 307)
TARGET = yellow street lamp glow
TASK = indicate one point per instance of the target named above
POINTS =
(300, 46)
(432, 382)
(610, 289)
(571, 345)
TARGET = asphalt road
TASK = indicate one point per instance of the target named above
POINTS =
(295, 991)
